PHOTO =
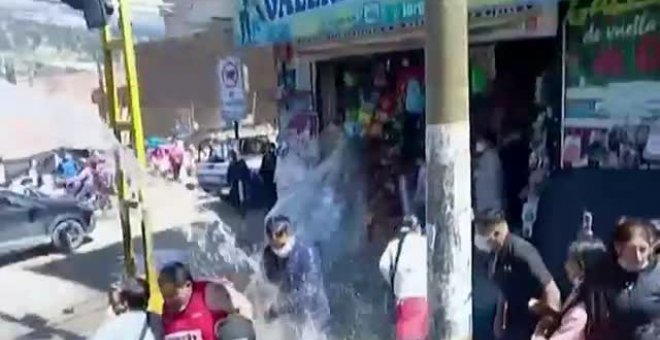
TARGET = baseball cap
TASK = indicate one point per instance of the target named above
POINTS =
(235, 327)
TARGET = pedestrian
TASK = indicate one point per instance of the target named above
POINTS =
(132, 321)
(404, 266)
(488, 177)
(192, 309)
(632, 281)
(83, 184)
(177, 155)
(294, 267)
(520, 274)
(267, 173)
(583, 314)
(68, 168)
(238, 176)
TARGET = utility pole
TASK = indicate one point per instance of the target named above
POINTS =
(448, 208)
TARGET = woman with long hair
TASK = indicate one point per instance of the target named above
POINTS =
(583, 312)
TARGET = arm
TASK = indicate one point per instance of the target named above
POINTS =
(222, 296)
(270, 266)
(551, 295)
(499, 321)
(385, 263)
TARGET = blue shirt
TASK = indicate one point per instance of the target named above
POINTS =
(68, 169)
(299, 277)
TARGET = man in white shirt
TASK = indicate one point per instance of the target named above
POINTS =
(403, 264)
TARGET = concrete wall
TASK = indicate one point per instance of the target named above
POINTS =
(178, 77)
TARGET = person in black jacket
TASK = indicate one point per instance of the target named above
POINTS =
(632, 285)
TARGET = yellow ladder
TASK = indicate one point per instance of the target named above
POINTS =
(134, 125)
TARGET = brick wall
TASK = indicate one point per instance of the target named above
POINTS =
(178, 75)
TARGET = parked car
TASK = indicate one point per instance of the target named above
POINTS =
(212, 173)
(32, 219)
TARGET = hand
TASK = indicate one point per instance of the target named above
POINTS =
(545, 325)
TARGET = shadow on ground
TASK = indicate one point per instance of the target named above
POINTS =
(249, 230)
(97, 269)
(40, 328)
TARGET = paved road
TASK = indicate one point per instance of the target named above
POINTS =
(54, 296)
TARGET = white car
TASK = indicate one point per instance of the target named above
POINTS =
(212, 173)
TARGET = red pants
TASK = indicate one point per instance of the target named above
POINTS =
(412, 319)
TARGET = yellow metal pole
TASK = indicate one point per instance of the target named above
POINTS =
(114, 115)
(156, 299)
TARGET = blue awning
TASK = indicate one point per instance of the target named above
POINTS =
(265, 22)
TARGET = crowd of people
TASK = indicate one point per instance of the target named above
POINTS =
(215, 309)
(614, 293)
(87, 179)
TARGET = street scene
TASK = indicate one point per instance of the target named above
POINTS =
(329, 170)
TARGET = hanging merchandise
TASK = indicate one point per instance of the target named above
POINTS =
(349, 79)
(387, 104)
(572, 153)
(380, 76)
(415, 99)
(482, 67)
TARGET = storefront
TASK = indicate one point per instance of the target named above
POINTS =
(611, 123)
(361, 63)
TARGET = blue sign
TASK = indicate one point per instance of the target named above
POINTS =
(276, 21)
(264, 22)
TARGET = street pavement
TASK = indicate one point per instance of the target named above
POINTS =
(46, 295)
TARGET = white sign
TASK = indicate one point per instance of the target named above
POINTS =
(508, 22)
(232, 91)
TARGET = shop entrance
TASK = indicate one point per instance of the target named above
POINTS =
(381, 98)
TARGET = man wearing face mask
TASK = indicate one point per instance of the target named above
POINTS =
(294, 267)
(520, 274)
(488, 183)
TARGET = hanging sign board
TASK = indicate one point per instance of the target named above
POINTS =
(613, 78)
(232, 90)
(264, 22)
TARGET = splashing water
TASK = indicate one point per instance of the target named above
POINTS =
(327, 209)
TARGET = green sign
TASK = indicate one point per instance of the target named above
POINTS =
(619, 45)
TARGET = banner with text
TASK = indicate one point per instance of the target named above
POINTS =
(613, 81)
(263, 22)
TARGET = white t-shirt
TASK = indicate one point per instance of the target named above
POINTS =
(410, 279)
(131, 325)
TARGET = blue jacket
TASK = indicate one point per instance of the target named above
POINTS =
(68, 169)
(300, 279)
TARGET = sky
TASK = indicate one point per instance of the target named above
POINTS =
(146, 18)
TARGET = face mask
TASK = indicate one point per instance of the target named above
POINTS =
(285, 250)
(481, 242)
(576, 281)
(632, 268)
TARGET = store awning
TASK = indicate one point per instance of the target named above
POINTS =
(304, 22)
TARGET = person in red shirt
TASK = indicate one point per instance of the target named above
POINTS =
(192, 309)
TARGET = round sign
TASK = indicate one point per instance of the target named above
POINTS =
(230, 75)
